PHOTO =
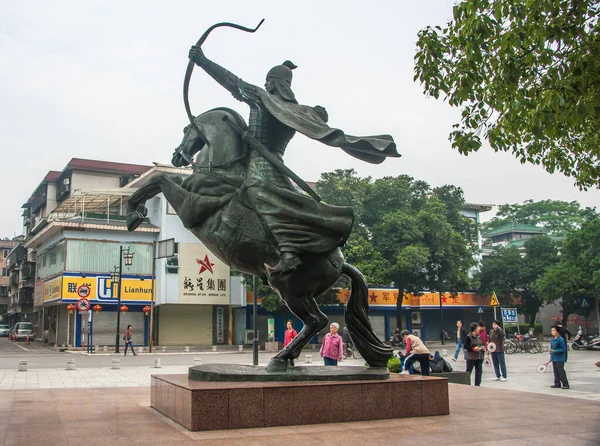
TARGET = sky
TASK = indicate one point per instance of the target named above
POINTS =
(103, 80)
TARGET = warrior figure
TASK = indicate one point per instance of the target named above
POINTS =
(296, 224)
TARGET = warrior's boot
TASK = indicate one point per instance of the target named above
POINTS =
(289, 262)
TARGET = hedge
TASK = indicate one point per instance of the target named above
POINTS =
(393, 365)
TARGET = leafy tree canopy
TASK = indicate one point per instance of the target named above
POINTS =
(555, 216)
(405, 233)
(512, 274)
(525, 75)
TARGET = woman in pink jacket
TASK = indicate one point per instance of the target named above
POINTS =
(332, 349)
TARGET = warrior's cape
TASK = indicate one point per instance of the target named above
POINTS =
(304, 119)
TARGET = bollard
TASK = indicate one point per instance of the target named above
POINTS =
(141, 349)
(22, 365)
(96, 349)
(105, 348)
(241, 348)
(164, 349)
(70, 364)
(307, 358)
(116, 363)
(214, 348)
(157, 363)
(444, 352)
(197, 361)
(187, 349)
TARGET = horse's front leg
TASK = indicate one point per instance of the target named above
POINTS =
(136, 211)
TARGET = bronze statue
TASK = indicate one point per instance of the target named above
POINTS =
(241, 203)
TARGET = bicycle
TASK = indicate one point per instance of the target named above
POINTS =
(350, 351)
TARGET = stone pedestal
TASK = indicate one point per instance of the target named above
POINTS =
(202, 405)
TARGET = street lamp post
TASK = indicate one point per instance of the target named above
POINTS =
(116, 275)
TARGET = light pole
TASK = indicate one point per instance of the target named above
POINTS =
(116, 276)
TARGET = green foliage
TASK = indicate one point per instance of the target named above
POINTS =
(555, 216)
(577, 274)
(525, 75)
(405, 233)
(393, 365)
(513, 276)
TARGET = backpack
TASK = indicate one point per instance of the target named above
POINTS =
(436, 366)
(124, 337)
(447, 366)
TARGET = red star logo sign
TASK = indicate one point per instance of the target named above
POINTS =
(205, 265)
(444, 298)
(373, 298)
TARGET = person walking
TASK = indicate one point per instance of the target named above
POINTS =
(415, 351)
(332, 349)
(461, 334)
(564, 332)
(558, 355)
(497, 336)
(475, 351)
(129, 340)
(290, 335)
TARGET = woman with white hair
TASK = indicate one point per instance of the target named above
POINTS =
(332, 349)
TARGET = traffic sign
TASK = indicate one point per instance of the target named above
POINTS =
(494, 302)
(509, 315)
(480, 310)
(83, 304)
(83, 291)
(584, 303)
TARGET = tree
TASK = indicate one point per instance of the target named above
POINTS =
(513, 276)
(555, 216)
(525, 75)
(577, 274)
(406, 234)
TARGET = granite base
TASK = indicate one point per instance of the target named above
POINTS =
(200, 405)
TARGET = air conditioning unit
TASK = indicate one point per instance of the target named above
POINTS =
(249, 336)
(416, 318)
(416, 332)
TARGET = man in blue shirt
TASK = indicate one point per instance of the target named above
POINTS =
(558, 353)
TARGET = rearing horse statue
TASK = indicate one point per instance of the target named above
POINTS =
(241, 204)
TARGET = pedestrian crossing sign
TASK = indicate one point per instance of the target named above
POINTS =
(494, 302)
(480, 310)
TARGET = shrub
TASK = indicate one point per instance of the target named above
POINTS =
(393, 365)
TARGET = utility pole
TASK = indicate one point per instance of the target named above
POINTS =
(254, 311)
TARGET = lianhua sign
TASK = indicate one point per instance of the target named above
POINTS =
(99, 288)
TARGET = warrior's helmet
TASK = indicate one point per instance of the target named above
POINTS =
(281, 75)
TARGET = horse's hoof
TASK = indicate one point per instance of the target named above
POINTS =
(277, 366)
(133, 221)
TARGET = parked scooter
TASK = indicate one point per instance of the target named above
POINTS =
(592, 343)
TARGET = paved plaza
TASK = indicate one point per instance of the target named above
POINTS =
(97, 405)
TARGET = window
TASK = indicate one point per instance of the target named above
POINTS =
(172, 265)
(170, 209)
(53, 258)
(5, 253)
(3, 291)
(43, 260)
(4, 272)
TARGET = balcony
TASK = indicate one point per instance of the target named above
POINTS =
(27, 272)
(26, 296)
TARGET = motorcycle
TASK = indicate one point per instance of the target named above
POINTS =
(396, 340)
(592, 343)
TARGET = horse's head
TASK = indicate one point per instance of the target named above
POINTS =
(190, 145)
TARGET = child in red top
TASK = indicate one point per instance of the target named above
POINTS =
(290, 335)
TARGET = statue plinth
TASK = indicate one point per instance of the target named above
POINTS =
(212, 405)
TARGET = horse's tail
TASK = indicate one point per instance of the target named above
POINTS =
(375, 352)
